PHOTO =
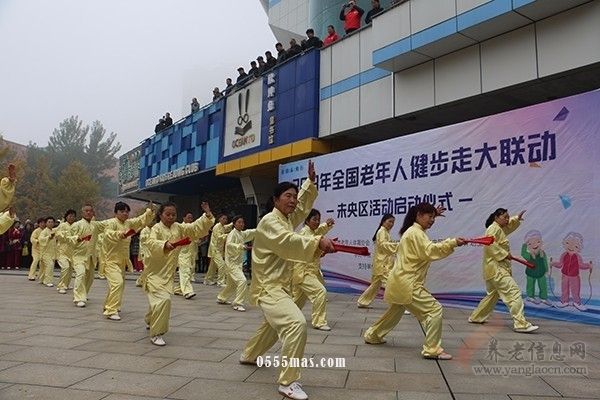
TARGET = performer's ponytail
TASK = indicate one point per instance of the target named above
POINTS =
(383, 219)
(493, 216)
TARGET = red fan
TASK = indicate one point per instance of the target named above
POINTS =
(485, 240)
(182, 242)
(86, 238)
(361, 251)
(521, 261)
(130, 232)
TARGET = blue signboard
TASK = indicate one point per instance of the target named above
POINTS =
(290, 104)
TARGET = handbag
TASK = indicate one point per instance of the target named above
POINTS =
(25, 251)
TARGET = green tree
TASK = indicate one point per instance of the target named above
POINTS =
(33, 192)
(73, 188)
(90, 145)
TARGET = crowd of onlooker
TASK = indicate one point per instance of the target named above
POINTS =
(350, 13)
(15, 246)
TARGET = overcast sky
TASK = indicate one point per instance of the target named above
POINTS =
(122, 62)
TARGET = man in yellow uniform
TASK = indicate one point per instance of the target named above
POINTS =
(187, 265)
(48, 252)
(116, 244)
(99, 255)
(35, 249)
(64, 248)
(216, 252)
(276, 246)
(83, 233)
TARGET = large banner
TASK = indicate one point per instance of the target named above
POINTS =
(543, 159)
(243, 118)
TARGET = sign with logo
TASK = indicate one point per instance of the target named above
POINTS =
(271, 105)
(129, 170)
(243, 119)
(189, 169)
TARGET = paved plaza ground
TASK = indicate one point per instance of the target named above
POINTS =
(49, 349)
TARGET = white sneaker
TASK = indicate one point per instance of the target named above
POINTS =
(223, 302)
(50, 284)
(246, 361)
(580, 306)
(293, 391)
(62, 291)
(239, 308)
(529, 329)
(114, 317)
(158, 340)
(190, 296)
(562, 304)
(81, 304)
(471, 321)
(364, 306)
(406, 312)
(547, 302)
(323, 328)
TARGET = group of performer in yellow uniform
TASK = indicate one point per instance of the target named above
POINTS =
(285, 268)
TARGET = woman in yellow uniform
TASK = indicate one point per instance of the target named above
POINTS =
(406, 287)
(187, 265)
(162, 262)
(383, 260)
(497, 273)
(143, 254)
(35, 250)
(48, 252)
(276, 247)
(64, 248)
(307, 281)
(216, 252)
(235, 249)
(116, 245)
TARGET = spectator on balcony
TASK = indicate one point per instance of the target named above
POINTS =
(160, 126)
(375, 9)
(217, 94)
(195, 105)
(242, 76)
(294, 49)
(262, 66)
(228, 86)
(312, 40)
(271, 61)
(168, 120)
(351, 15)
(332, 36)
(253, 72)
(281, 53)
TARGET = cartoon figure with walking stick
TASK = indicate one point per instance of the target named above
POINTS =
(570, 263)
(533, 251)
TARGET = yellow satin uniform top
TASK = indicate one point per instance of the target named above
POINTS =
(276, 244)
(217, 239)
(160, 265)
(48, 244)
(235, 248)
(413, 258)
(115, 247)
(87, 248)
(7, 193)
(64, 245)
(494, 255)
(313, 267)
(35, 241)
(189, 254)
(385, 248)
(144, 236)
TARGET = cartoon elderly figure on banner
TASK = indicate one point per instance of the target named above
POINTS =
(533, 251)
(570, 263)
